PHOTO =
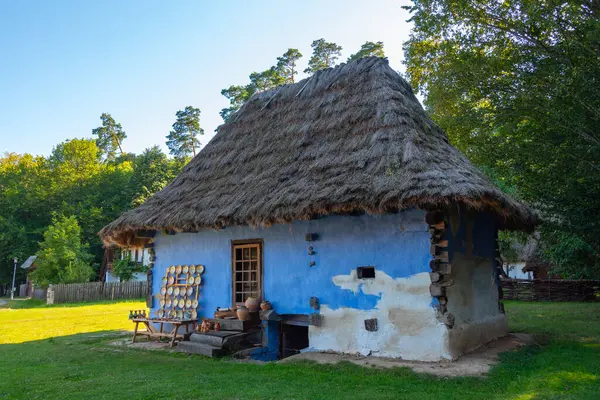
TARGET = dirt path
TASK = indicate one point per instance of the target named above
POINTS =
(477, 363)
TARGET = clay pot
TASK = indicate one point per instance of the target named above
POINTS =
(252, 304)
(243, 313)
(266, 305)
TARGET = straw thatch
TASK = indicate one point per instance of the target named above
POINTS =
(350, 139)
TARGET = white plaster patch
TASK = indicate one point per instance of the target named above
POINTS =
(407, 324)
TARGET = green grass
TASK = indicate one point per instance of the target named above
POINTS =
(46, 354)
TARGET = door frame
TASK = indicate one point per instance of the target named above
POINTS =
(242, 242)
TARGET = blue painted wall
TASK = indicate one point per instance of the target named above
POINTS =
(395, 243)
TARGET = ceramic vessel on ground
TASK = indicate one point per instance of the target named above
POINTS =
(243, 313)
(266, 305)
(252, 304)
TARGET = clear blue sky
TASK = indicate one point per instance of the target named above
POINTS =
(63, 63)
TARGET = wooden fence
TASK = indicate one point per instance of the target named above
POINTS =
(93, 291)
(551, 290)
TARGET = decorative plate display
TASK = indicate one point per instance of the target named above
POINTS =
(172, 269)
(188, 303)
(171, 280)
(168, 302)
(194, 314)
(163, 290)
(189, 291)
(190, 280)
(178, 269)
(185, 269)
(170, 290)
(200, 268)
(198, 280)
(161, 303)
(181, 303)
(176, 291)
(192, 269)
(164, 280)
(180, 314)
(160, 313)
(194, 303)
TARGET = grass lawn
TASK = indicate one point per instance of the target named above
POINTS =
(63, 352)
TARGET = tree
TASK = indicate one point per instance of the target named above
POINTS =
(325, 54)
(152, 171)
(110, 136)
(265, 80)
(237, 95)
(286, 65)
(183, 139)
(62, 257)
(514, 84)
(368, 49)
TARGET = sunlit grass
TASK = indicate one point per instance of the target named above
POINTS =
(26, 324)
(46, 358)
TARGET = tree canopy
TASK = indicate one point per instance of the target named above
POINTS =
(367, 50)
(110, 136)
(515, 86)
(183, 139)
(325, 54)
(62, 257)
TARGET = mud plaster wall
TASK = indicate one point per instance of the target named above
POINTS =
(473, 299)
(407, 326)
(397, 244)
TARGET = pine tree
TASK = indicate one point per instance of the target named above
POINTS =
(183, 139)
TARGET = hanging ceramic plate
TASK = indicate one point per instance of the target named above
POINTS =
(189, 291)
(160, 313)
(194, 303)
(181, 303)
(192, 269)
(168, 302)
(200, 268)
(198, 280)
(180, 314)
(170, 290)
(176, 291)
(172, 269)
(171, 280)
(178, 269)
(161, 303)
(164, 280)
(194, 314)
(185, 269)
(190, 280)
(163, 290)
(188, 303)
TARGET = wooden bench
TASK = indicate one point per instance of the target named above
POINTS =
(152, 333)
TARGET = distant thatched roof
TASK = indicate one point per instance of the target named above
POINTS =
(349, 139)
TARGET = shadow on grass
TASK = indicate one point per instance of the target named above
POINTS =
(71, 366)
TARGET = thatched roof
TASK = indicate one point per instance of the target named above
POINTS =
(350, 139)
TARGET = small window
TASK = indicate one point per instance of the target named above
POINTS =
(365, 272)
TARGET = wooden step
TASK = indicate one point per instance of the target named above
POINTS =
(212, 338)
(236, 324)
(201, 348)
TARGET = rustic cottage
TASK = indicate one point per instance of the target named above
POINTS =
(339, 201)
